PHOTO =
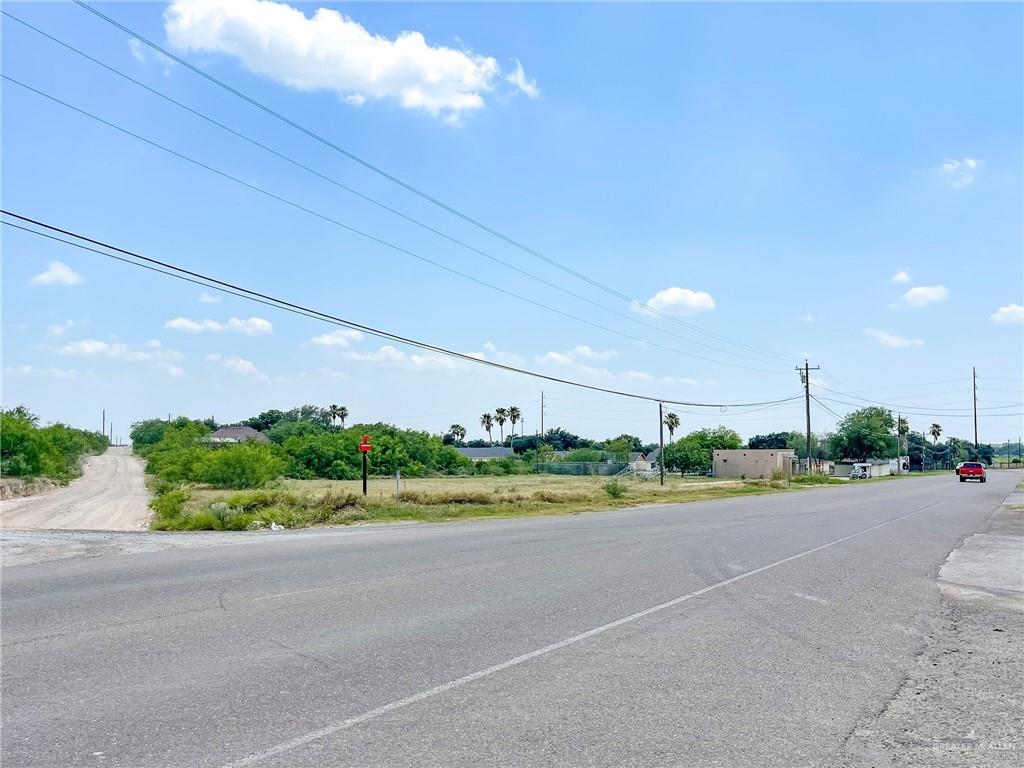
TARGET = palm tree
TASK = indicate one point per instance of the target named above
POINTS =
(501, 416)
(514, 415)
(458, 432)
(487, 422)
(342, 415)
(333, 411)
(672, 422)
(935, 430)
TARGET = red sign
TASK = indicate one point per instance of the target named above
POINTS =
(365, 446)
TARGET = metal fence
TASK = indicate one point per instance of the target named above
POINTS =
(580, 468)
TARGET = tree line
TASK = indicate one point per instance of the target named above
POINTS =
(54, 451)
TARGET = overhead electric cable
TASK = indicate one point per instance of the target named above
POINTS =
(373, 201)
(213, 283)
(410, 188)
(920, 408)
(371, 237)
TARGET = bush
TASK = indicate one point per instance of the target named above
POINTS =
(28, 450)
(615, 489)
(168, 508)
(248, 465)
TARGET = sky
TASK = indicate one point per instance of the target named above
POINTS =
(705, 195)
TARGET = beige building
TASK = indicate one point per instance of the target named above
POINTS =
(753, 464)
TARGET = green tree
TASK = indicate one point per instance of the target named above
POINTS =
(864, 434)
(500, 417)
(935, 430)
(771, 440)
(487, 422)
(514, 417)
(672, 424)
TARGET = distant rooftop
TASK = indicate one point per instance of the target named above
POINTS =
(237, 435)
(478, 454)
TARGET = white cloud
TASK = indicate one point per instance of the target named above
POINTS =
(392, 356)
(343, 337)
(142, 53)
(960, 173)
(637, 375)
(254, 326)
(519, 79)
(920, 295)
(193, 326)
(1011, 313)
(583, 351)
(119, 351)
(903, 276)
(679, 301)
(576, 354)
(57, 273)
(887, 339)
(208, 298)
(330, 51)
(556, 357)
(808, 318)
(241, 365)
(58, 329)
(28, 370)
(237, 365)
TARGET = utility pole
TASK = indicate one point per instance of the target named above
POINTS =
(103, 431)
(899, 446)
(542, 414)
(805, 376)
(974, 378)
(661, 443)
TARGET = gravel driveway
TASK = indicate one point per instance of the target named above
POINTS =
(110, 495)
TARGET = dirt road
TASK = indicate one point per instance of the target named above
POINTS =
(110, 495)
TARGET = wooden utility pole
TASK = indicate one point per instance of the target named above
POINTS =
(104, 430)
(661, 442)
(974, 378)
(542, 414)
(805, 375)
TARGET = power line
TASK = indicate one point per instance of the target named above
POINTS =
(213, 283)
(409, 187)
(371, 237)
(929, 414)
(919, 407)
(369, 199)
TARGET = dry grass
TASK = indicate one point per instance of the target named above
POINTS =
(299, 503)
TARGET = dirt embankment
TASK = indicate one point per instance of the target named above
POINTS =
(17, 487)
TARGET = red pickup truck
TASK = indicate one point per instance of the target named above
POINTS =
(972, 469)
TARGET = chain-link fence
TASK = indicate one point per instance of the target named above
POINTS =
(580, 468)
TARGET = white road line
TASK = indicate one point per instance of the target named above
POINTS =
(373, 714)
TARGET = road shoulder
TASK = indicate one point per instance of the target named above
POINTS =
(960, 704)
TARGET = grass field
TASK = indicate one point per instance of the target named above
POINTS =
(302, 503)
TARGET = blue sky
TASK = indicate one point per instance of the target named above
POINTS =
(841, 182)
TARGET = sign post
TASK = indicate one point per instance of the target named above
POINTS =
(365, 448)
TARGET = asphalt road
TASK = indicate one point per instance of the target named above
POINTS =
(744, 632)
(110, 495)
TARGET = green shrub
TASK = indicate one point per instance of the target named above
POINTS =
(28, 450)
(168, 507)
(615, 489)
(814, 480)
(248, 465)
(447, 497)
